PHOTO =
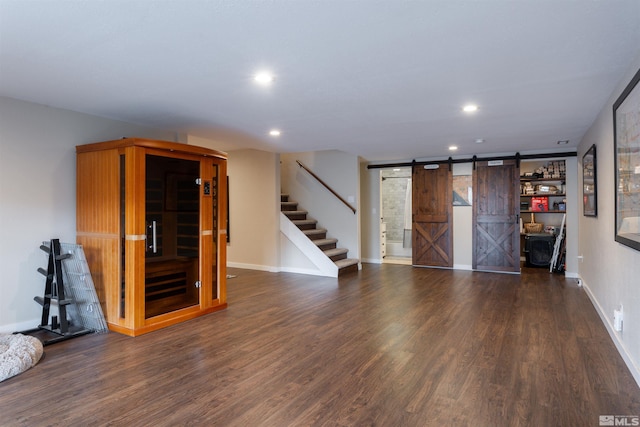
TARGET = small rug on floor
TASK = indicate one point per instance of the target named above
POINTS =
(18, 353)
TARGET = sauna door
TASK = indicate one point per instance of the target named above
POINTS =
(172, 250)
(432, 216)
(496, 213)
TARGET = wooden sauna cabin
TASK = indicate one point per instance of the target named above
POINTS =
(151, 217)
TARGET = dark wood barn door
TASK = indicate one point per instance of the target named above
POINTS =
(496, 210)
(432, 216)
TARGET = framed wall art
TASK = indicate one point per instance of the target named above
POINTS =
(589, 183)
(462, 190)
(626, 142)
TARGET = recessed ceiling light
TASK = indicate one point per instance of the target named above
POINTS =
(470, 108)
(563, 142)
(452, 148)
(264, 78)
(479, 141)
(274, 132)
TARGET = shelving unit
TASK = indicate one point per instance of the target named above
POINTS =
(556, 198)
(544, 182)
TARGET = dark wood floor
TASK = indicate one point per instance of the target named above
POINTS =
(391, 345)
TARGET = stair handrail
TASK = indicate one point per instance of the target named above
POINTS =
(326, 186)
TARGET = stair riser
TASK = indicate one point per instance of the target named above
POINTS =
(327, 246)
(338, 257)
(295, 216)
(349, 269)
(306, 226)
(317, 236)
(288, 207)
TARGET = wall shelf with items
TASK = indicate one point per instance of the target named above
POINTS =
(547, 196)
(543, 192)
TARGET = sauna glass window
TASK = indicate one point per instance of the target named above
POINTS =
(172, 204)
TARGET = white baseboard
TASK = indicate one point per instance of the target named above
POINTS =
(270, 269)
(304, 271)
(622, 349)
(20, 326)
(275, 269)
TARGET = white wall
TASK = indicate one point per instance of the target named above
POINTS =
(38, 194)
(462, 226)
(609, 270)
(292, 260)
(574, 209)
(339, 170)
(254, 204)
(254, 210)
(370, 214)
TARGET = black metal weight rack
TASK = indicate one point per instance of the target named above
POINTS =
(60, 327)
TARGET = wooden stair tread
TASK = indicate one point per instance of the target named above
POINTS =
(347, 262)
(300, 222)
(321, 242)
(298, 212)
(315, 231)
(336, 251)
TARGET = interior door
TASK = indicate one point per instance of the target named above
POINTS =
(172, 213)
(496, 213)
(432, 216)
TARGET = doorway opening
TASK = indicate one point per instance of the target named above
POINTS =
(395, 215)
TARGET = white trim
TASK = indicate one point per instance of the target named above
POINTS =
(244, 266)
(20, 326)
(626, 356)
(303, 271)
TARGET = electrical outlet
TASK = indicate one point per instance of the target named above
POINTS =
(618, 319)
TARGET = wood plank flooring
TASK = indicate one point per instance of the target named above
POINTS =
(390, 345)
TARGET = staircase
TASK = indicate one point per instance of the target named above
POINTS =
(318, 236)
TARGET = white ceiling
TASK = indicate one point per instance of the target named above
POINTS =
(385, 80)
